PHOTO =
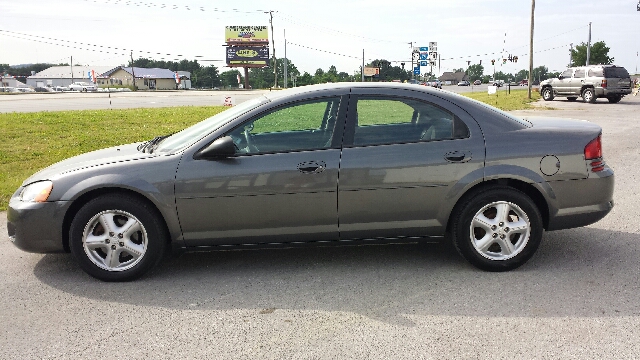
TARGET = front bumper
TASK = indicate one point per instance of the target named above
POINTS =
(36, 227)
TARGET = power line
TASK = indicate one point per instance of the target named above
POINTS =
(173, 7)
(86, 46)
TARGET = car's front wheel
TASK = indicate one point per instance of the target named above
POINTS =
(117, 237)
(547, 94)
(497, 229)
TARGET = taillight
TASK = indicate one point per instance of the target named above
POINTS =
(604, 83)
(593, 151)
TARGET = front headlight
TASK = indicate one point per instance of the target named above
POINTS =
(37, 192)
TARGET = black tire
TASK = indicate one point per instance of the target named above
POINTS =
(547, 93)
(137, 253)
(614, 99)
(572, 98)
(524, 242)
(588, 95)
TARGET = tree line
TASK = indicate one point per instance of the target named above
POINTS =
(260, 78)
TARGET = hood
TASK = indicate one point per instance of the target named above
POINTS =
(102, 157)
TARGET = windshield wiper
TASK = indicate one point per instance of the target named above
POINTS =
(150, 145)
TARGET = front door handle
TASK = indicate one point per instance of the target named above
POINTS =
(312, 167)
(458, 156)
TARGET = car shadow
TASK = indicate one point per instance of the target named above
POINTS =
(585, 272)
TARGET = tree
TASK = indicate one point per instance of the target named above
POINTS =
(230, 78)
(205, 77)
(599, 54)
(475, 72)
(521, 75)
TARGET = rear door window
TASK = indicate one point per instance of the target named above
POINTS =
(389, 120)
(579, 74)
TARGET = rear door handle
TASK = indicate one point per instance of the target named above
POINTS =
(458, 156)
(312, 167)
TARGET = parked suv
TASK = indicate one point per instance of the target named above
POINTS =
(589, 82)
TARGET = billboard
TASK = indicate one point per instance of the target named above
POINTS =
(246, 34)
(255, 55)
(371, 71)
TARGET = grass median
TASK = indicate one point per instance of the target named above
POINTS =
(32, 141)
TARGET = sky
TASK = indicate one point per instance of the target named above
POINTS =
(319, 34)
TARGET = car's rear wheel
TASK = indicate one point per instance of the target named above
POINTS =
(547, 93)
(117, 238)
(588, 95)
(572, 98)
(497, 229)
(614, 99)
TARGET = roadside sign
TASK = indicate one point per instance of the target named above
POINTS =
(416, 70)
(424, 63)
(424, 48)
(423, 56)
(415, 56)
(433, 46)
(227, 101)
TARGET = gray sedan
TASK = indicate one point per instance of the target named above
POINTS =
(337, 163)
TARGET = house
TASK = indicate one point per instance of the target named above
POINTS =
(452, 78)
(145, 79)
(65, 75)
(185, 80)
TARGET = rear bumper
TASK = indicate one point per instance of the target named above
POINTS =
(581, 202)
(36, 227)
(604, 92)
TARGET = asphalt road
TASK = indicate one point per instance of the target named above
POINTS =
(578, 297)
(30, 102)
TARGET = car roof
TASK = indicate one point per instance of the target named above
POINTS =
(275, 95)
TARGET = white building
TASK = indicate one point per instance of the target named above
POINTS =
(64, 76)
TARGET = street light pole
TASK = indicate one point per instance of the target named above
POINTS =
(533, 8)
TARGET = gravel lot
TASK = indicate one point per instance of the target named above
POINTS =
(579, 297)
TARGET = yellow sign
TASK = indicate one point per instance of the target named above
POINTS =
(246, 34)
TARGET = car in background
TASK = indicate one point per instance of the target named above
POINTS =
(43, 89)
(83, 87)
(464, 83)
(524, 82)
(435, 83)
(497, 83)
(589, 82)
(477, 82)
(414, 164)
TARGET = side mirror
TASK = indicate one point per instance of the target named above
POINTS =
(220, 148)
(560, 77)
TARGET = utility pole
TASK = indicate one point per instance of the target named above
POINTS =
(589, 45)
(133, 73)
(72, 69)
(570, 54)
(285, 58)
(533, 9)
(362, 72)
(273, 50)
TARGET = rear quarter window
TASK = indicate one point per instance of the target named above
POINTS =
(596, 73)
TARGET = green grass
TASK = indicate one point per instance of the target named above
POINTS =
(517, 100)
(32, 141)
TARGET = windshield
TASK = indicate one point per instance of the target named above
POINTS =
(192, 134)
